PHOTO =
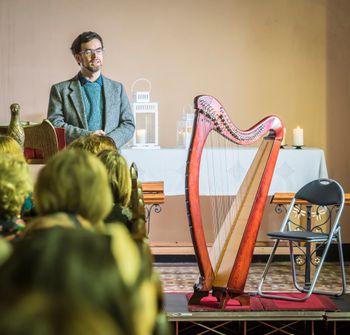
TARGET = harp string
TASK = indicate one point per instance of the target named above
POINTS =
(224, 204)
(218, 155)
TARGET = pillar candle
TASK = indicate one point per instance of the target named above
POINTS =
(284, 137)
(180, 138)
(141, 136)
(298, 137)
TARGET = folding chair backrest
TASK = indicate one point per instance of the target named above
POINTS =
(323, 192)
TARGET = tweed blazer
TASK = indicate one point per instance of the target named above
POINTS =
(66, 110)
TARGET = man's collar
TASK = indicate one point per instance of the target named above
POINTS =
(83, 80)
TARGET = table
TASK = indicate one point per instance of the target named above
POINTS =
(168, 165)
(294, 168)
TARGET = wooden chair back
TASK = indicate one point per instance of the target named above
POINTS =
(41, 138)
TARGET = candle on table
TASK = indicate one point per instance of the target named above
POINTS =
(284, 137)
(141, 136)
(298, 137)
(180, 138)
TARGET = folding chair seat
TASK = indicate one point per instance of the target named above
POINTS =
(321, 200)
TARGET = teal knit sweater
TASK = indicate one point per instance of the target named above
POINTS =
(93, 103)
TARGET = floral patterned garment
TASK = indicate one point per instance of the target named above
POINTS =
(11, 228)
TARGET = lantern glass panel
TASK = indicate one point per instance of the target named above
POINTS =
(146, 122)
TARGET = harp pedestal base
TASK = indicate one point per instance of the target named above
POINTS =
(197, 296)
(223, 295)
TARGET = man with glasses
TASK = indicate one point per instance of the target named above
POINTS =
(90, 103)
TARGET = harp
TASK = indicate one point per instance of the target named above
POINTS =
(224, 270)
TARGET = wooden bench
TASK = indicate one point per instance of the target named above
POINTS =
(153, 197)
(153, 192)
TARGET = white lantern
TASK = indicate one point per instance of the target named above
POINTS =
(184, 130)
(146, 117)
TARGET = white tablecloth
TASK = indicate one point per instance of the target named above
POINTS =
(294, 168)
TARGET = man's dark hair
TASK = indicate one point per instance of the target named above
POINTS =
(83, 38)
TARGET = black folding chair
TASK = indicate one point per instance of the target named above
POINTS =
(322, 200)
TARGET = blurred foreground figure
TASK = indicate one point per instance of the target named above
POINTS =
(129, 210)
(9, 145)
(38, 313)
(73, 191)
(74, 182)
(120, 183)
(72, 268)
(15, 187)
(93, 143)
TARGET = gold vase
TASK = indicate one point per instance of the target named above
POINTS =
(15, 129)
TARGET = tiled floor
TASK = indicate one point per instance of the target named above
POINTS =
(180, 277)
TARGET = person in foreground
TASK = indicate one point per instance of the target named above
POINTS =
(128, 210)
(69, 269)
(72, 191)
(73, 183)
(90, 103)
(93, 143)
(35, 312)
(9, 145)
(120, 182)
(15, 187)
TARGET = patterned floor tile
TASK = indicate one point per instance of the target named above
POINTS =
(180, 277)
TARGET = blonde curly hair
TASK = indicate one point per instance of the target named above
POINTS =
(15, 184)
(118, 174)
(92, 143)
(10, 145)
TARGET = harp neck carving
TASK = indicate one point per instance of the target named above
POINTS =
(213, 111)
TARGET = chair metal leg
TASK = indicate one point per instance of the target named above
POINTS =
(311, 289)
(267, 295)
(267, 266)
(342, 265)
(342, 269)
(293, 267)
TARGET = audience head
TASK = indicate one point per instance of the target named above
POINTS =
(15, 185)
(92, 143)
(118, 174)
(75, 264)
(74, 182)
(11, 146)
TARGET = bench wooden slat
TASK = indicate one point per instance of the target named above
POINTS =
(153, 192)
(150, 198)
(153, 186)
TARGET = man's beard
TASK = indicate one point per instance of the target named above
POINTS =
(93, 68)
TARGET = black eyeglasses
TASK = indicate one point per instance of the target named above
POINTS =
(89, 52)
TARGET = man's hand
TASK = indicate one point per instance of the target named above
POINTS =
(99, 132)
